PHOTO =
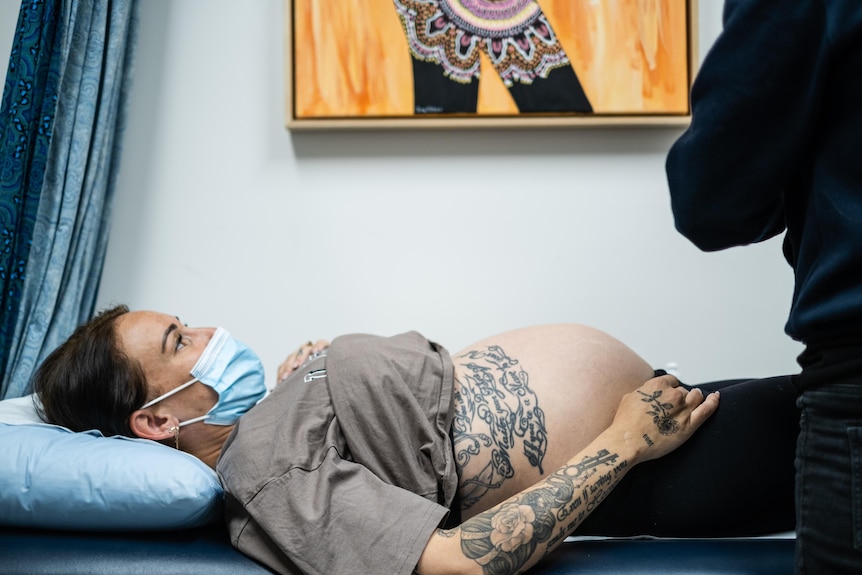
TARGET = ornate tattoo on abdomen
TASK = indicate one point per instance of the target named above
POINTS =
(497, 392)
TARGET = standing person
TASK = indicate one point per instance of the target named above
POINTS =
(774, 144)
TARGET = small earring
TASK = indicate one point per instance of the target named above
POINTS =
(176, 432)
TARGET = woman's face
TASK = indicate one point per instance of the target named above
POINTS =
(167, 350)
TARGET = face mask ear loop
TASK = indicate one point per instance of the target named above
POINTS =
(168, 394)
(194, 420)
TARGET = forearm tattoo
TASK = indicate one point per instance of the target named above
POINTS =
(497, 392)
(505, 538)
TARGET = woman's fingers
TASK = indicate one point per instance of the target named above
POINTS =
(298, 357)
(703, 409)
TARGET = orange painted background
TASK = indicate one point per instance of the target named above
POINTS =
(351, 58)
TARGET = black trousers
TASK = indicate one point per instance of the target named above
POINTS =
(435, 93)
(735, 477)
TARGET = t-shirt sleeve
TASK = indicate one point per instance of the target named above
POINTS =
(341, 519)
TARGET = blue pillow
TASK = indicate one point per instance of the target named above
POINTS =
(53, 478)
(20, 410)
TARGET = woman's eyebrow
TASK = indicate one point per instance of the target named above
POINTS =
(168, 331)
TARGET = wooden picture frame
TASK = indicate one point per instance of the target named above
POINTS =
(377, 64)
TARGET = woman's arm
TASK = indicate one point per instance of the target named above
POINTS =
(511, 537)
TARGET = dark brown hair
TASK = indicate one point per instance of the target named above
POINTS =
(88, 382)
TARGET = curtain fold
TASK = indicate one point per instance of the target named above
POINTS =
(92, 58)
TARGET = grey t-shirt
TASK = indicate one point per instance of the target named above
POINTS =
(347, 466)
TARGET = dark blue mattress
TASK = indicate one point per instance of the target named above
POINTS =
(208, 551)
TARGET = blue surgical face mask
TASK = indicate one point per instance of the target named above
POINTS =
(234, 371)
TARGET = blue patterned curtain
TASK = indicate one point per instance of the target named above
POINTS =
(61, 123)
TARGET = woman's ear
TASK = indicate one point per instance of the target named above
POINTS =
(144, 423)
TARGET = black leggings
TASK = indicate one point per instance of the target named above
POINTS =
(734, 477)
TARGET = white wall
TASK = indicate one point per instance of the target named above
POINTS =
(224, 217)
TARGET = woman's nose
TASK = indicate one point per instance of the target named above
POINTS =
(207, 333)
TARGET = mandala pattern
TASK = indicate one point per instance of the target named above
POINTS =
(514, 34)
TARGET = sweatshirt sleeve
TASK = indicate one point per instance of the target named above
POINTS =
(755, 103)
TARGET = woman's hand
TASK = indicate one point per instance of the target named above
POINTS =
(660, 416)
(299, 356)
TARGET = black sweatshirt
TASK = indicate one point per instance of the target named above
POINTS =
(775, 143)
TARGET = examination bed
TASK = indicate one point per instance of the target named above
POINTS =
(81, 503)
(207, 550)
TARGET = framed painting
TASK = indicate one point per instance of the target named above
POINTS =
(488, 63)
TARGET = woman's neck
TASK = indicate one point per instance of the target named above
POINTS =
(207, 443)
